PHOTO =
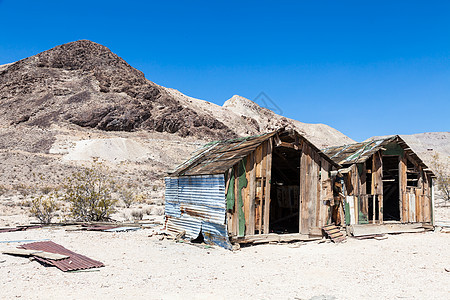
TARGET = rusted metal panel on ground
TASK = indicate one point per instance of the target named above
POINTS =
(197, 204)
(20, 228)
(74, 262)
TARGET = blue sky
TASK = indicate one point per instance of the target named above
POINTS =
(363, 67)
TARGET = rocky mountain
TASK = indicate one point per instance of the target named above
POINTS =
(85, 84)
(76, 102)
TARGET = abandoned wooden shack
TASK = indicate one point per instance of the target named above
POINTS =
(271, 187)
(385, 182)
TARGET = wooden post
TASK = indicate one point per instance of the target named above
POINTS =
(267, 191)
(302, 187)
(377, 182)
(250, 230)
(402, 189)
(326, 193)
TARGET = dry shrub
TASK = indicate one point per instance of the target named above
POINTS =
(442, 177)
(137, 214)
(44, 207)
(140, 198)
(90, 194)
(3, 189)
(127, 196)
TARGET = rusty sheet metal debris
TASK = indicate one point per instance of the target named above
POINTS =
(74, 262)
(122, 229)
(96, 227)
(20, 228)
(197, 204)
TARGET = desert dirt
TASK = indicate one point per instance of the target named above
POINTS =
(405, 266)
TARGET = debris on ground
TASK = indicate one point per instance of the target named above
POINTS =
(122, 229)
(74, 261)
(38, 253)
(20, 228)
(334, 233)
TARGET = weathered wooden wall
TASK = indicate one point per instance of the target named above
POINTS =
(414, 202)
(250, 181)
(315, 191)
(252, 185)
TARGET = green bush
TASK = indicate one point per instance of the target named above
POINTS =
(90, 194)
(44, 207)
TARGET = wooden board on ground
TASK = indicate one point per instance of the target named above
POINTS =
(371, 229)
(25, 252)
(273, 237)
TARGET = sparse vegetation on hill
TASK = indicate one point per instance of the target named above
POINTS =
(442, 177)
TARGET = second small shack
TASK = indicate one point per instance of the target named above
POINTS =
(385, 183)
(271, 187)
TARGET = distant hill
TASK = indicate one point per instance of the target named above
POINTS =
(77, 101)
(85, 84)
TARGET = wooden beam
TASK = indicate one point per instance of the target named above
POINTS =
(288, 145)
(250, 230)
(267, 191)
(273, 237)
(361, 230)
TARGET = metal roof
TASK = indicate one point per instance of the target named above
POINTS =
(74, 262)
(217, 157)
(360, 152)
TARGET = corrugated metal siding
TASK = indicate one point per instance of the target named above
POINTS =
(74, 262)
(197, 203)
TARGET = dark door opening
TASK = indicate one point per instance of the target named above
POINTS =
(285, 190)
(391, 197)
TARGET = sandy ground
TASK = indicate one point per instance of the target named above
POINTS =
(406, 266)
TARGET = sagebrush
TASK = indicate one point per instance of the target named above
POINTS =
(44, 207)
(90, 194)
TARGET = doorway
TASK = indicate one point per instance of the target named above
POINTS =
(391, 196)
(285, 190)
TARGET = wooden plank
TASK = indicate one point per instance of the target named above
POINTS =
(306, 201)
(412, 207)
(267, 191)
(380, 208)
(250, 230)
(302, 189)
(312, 197)
(26, 252)
(235, 210)
(418, 193)
(262, 180)
(246, 192)
(361, 230)
(402, 168)
(427, 200)
(273, 237)
(351, 204)
(377, 174)
(377, 183)
(326, 193)
(316, 195)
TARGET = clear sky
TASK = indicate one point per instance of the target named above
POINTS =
(365, 68)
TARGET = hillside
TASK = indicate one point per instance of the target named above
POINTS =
(63, 107)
